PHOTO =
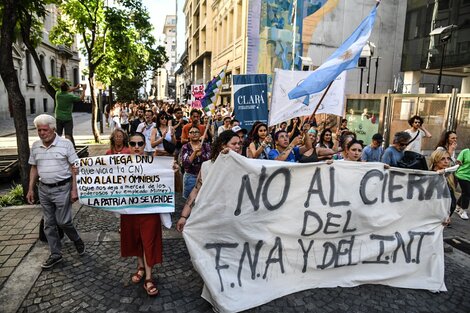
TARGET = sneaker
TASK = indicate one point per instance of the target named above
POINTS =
(461, 212)
(80, 246)
(51, 261)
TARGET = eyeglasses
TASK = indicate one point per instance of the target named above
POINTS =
(163, 118)
(134, 143)
(417, 122)
(194, 132)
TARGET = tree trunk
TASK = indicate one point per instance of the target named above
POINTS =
(94, 108)
(10, 80)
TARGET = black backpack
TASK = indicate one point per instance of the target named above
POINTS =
(413, 160)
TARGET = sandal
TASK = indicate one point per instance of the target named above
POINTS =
(150, 287)
(137, 277)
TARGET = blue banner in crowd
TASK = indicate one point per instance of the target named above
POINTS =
(250, 99)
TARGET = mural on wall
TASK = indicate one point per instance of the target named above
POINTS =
(270, 34)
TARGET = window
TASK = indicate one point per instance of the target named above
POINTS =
(53, 67)
(44, 104)
(29, 72)
(32, 105)
(41, 60)
(75, 76)
(63, 72)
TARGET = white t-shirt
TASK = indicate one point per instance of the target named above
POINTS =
(146, 130)
(416, 144)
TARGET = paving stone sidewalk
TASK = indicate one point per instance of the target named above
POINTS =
(18, 234)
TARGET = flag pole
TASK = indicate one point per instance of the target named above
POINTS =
(294, 33)
(215, 105)
(321, 100)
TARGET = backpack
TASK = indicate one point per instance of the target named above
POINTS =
(413, 160)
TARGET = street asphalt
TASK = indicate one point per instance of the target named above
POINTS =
(99, 281)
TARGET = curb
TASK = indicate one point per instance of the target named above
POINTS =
(19, 207)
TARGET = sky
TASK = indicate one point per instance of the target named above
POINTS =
(158, 9)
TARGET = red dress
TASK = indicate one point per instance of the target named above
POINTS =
(124, 150)
(142, 233)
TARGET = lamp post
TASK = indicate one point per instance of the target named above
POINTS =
(446, 34)
(444, 41)
(366, 52)
(376, 70)
(371, 53)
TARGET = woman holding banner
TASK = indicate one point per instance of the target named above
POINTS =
(141, 234)
(440, 161)
(226, 141)
(353, 150)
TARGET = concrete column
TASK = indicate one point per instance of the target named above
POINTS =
(411, 82)
(465, 87)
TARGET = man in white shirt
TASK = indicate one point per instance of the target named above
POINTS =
(146, 129)
(417, 132)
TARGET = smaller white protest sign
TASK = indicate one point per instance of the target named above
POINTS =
(127, 184)
(283, 109)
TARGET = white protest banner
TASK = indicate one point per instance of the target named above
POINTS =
(127, 184)
(263, 229)
(283, 109)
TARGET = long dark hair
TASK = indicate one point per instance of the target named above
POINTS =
(322, 137)
(221, 140)
(255, 131)
(444, 140)
(159, 115)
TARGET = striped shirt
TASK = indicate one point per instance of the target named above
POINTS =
(53, 162)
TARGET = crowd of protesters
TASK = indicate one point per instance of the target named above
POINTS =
(195, 139)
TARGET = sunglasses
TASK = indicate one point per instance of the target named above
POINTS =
(403, 144)
(163, 118)
(139, 143)
(194, 132)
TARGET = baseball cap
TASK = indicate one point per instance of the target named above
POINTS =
(378, 137)
(237, 129)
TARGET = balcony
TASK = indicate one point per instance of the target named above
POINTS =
(65, 51)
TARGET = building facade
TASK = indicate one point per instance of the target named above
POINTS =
(199, 16)
(57, 61)
(259, 36)
(165, 83)
(436, 50)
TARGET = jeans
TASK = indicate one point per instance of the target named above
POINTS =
(189, 181)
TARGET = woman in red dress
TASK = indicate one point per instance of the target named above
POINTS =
(141, 234)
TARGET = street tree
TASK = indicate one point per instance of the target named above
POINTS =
(14, 13)
(117, 40)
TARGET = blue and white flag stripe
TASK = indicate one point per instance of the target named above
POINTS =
(344, 58)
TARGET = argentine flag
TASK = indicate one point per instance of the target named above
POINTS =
(344, 58)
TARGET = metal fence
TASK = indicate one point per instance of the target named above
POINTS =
(389, 113)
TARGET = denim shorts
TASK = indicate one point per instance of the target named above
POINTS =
(189, 181)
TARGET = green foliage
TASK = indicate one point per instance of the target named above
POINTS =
(57, 81)
(13, 197)
(117, 39)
